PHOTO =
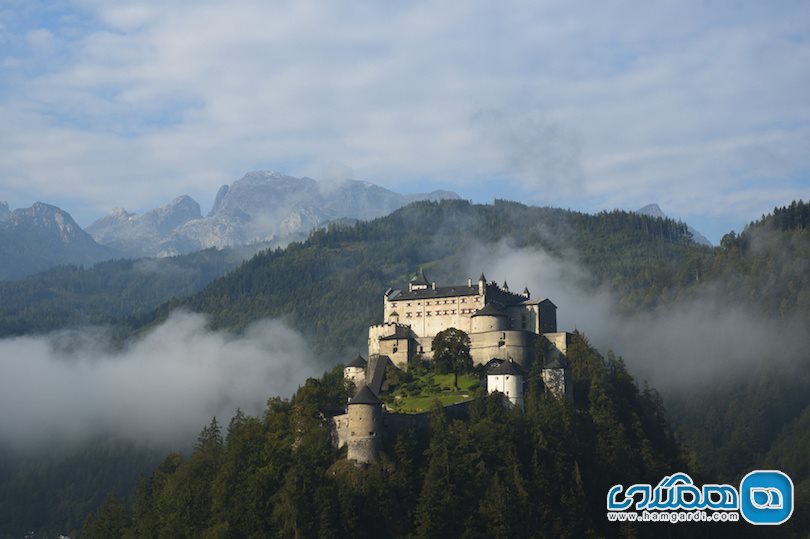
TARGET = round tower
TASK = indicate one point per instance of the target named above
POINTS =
(365, 421)
(489, 318)
(508, 379)
(355, 371)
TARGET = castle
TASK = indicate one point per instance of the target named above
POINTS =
(504, 330)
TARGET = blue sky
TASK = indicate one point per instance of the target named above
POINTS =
(702, 107)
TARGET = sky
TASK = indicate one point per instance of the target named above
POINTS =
(702, 107)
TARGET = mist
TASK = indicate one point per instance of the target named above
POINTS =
(161, 389)
(688, 344)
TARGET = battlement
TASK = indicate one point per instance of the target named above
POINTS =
(395, 325)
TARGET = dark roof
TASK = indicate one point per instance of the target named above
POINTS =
(492, 363)
(439, 292)
(482, 278)
(539, 301)
(420, 278)
(365, 396)
(377, 374)
(357, 362)
(489, 310)
(507, 367)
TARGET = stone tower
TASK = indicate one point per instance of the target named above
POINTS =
(365, 422)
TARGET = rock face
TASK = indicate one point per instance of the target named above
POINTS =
(653, 210)
(260, 207)
(150, 234)
(42, 236)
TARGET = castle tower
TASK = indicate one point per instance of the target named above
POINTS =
(557, 377)
(365, 422)
(489, 318)
(355, 371)
(508, 379)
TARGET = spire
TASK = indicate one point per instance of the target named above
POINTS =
(526, 292)
(506, 286)
(482, 279)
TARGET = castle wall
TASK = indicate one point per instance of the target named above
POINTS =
(547, 318)
(340, 430)
(386, 329)
(428, 317)
(560, 340)
(400, 351)
(508, 384)
(558, 382)
(517, 345)
(524, 317)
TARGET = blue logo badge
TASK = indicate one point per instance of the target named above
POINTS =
(766, 497)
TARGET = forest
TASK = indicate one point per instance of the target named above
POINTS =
(329, 287)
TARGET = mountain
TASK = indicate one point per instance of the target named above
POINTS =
(42, 236)
(149, 234)
(654, 210)
(262, 206)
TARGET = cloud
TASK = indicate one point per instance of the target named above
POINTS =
(686, 103)
(161, 389)
(689, 343)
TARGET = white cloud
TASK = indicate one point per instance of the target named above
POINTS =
(614, 105)
(160, 390)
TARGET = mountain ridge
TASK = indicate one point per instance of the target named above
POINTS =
(262, 206)
(42, 236)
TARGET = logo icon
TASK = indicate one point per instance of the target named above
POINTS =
(766, 497)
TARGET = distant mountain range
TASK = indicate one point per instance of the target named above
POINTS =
(42, 236)
(653, 210)
(262, 206)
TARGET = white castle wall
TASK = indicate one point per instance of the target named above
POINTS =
(508, 384)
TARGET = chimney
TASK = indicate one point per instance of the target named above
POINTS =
(469, 283)
(433, 285)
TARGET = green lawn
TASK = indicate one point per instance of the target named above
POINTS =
(423, 403)
(420, 394)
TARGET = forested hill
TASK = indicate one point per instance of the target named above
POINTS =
(76, 296)
(504, 473)
(330, 287)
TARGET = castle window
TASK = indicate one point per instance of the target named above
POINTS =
(371, 433)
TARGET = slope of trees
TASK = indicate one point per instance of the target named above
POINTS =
(72, 296)
(504, 473)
